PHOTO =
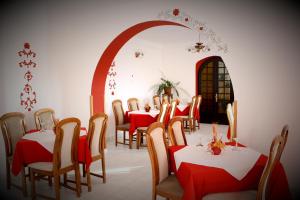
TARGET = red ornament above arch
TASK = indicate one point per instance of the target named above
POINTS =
(100, 74)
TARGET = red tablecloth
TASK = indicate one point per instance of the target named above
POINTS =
(28, 151)
(139, 120)
(198, 180)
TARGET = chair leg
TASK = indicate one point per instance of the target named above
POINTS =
(24, 186)
(65, 179)
(88, 179)
(138, 139)
(50, 180)
(103, 168)
(78, 184)
(33, 195)
(83, 170)
(56, 185)
(116, 137)
(130, 140)
(124, 137)
(8, 178)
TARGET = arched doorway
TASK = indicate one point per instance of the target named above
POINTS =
(214, 84)
(100, 74)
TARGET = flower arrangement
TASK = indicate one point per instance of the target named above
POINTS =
(166, 86)
(216, 145)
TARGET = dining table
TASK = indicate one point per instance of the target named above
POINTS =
(237, 168)
(140, 118)
(38, 145)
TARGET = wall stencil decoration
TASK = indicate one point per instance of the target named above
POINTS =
(212, 41)
(28, 95)
(112, 74)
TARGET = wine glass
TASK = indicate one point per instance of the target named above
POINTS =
(42, 126)
(235, 147)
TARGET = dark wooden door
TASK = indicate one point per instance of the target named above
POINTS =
(216, 90)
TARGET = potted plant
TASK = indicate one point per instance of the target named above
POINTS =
(167, 87)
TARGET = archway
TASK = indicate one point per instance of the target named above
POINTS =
(102, 68)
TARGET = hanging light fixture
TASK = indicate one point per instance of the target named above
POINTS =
(199, 46)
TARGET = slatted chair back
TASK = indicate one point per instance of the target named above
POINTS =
(45, 119)
(162, 113)
(66, 144)
(173, 109)
(157, 148)
(156, 101)
(133, 104)
(118, 111)
(176, 131)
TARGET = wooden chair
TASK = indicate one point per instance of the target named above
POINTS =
(45, 118)
(263, 186)
(156, 102)
(163, 183)
(188, 120)
(198, 103)
(232, 119)
(120, 124)
(176, 132)
(285, 134)
(13, 128)
(165, 99)
(133, 104)
(65, 158)
(96, 142)
(141, 131)
(173, 109)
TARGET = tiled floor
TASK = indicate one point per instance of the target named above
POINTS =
(129, 173)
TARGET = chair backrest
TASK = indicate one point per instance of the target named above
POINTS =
(45, 118)
(176, 131)
(162, 113)
(192, 107)
(118, 111)
(165, 98)
(96, 133)
(274, 157)
(66, 143)
(157, 149)
(173, 108)
(133, 104)
(13, 128)
(230, 121)
(199, 99)
(156, 101)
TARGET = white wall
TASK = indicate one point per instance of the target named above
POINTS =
(69, 38)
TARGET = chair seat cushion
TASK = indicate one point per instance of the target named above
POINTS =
(45, 166)
(170, 187)
(142, 129)
(244, 195)
(123, 126)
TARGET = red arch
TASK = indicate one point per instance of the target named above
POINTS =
(98, 85)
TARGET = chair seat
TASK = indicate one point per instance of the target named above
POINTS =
(123, 126)
(142, 129)
(244, 195)
(184, 116)
(45, 166)
(170, 187)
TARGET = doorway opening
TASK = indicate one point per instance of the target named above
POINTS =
(213, 83)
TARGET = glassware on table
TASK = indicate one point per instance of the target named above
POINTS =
(42, 126)
(235, 147)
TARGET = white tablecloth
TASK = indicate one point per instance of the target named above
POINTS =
(46, 138)
(236, 162)
(181, 107)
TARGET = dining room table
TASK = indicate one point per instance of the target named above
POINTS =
(140, 118)
(237, 168)
(38, 146)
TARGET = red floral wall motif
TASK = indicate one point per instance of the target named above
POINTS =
(28, 95)
(112, 74)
